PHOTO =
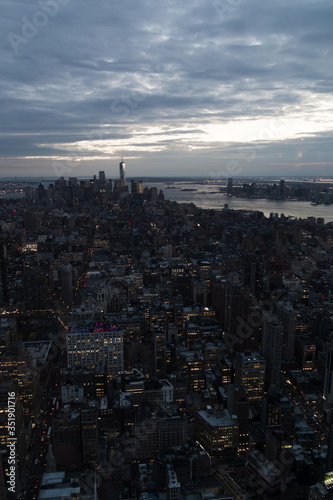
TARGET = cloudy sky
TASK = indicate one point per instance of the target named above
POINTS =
(196, 87)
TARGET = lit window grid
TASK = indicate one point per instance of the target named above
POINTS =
(91, 348)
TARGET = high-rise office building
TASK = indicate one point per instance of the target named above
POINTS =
(250, 369)
(282, 189)
(252, 273)
(173, 485)
(136, 187)
(270, 410)
(89, 430)
(66, 438)
(102, 182)
(227, 372)
(93, 346)
(139, 187)
(196, 375)
(18, 367)
(287, 417)
(8, 333)
(35, 287)
(122, 172)
(272, 347)
(167, 429)
(192, 334)
(217, 431)
(287, 316)
(305, 353)
(238, 404)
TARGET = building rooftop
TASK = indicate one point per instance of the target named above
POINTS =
(38, 350)
(250, 357)
(221, 418)
(95, 328)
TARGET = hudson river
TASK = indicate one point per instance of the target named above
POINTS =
(207, 196)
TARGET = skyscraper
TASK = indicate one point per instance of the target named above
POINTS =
(137, 187)
(238, 404)
(102, 182)
(122, 172)
(282, 189)
(250, 369)
(272, 347)
(287, 316)
(89, 430)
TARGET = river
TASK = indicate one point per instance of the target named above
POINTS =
(208, 196)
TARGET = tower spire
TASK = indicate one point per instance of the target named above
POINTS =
(50, 460)
(122, 175)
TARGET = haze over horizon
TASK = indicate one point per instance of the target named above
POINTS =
(205, 88)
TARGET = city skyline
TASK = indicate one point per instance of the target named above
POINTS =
(191, 346)
(200, 89)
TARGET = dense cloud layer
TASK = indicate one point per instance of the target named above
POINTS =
(173, 87)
